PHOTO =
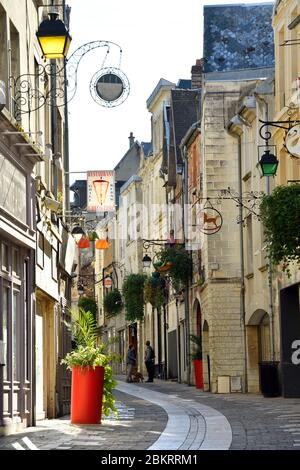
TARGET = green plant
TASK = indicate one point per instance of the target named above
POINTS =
(197, 341)
(133, 292)
(180, 265)
(88, 304)
(154, 290)
(113, 302)
(83, 327)
(280, 214)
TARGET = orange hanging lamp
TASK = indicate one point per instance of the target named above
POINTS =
(101, 244)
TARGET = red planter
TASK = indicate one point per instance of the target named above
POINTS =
(198, 367)
(86, 396)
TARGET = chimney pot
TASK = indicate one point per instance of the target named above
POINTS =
(131, 139)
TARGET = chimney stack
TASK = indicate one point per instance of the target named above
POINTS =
(197, 71)
(131, 140)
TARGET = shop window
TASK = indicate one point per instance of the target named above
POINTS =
(5, 332)
(15, 336)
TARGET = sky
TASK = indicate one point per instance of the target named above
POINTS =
(159, 39)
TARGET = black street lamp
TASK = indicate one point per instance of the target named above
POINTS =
(147, 261)
(80, 289)
(53, 37)
(77, 232)
(268, 164)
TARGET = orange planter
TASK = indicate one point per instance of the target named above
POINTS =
(86, 396)
(198, 367)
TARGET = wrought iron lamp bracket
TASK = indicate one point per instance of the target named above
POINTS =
(25, 90)
(147, 243)
(266, 135)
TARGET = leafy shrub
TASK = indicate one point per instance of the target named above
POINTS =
(280, 214)
(133, 292)
(88, 304)
(113, 302)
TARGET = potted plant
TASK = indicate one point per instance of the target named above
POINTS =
(197, 360)
(92, 381)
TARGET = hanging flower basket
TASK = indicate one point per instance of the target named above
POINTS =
(165, 267)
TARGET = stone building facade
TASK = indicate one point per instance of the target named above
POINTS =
(35, 273)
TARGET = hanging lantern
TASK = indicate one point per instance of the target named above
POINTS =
(77, 233)
(101, 244)
(268, 164)
(83, 243)
(53, 37)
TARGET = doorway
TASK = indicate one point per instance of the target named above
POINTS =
(39, 368)
(206, 357)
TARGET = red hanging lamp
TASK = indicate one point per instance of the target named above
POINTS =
(83, 243)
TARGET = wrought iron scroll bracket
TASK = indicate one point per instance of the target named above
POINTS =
(266, 135)
(25, 89)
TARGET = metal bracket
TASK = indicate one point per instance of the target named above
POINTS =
(25, 88)
(279, 124)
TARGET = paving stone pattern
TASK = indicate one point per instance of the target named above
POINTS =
(139, 426)
(257, 423)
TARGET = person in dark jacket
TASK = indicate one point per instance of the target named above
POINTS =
(130, 362)
(149, 361)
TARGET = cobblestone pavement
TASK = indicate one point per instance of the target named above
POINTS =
(254, 422)
(139, 426)
(257, 423)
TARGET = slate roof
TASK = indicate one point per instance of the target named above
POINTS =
(185, 84)
(238, 37)
(162, 82)
(147, 148)
(185, 111)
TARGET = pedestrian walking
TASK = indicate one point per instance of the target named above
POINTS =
(130, 362)
(149, 361)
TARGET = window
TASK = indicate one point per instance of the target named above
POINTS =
(3, 42)
(5, 332)
(14, 59)
(15, 335)
(4, 257)
(40, 249)
(54, 264)
(249, 245)
(15, 264)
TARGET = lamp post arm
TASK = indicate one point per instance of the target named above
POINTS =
(29, 98)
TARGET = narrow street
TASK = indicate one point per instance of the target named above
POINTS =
(172, 416)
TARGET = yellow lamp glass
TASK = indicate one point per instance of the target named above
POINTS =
(54, 47)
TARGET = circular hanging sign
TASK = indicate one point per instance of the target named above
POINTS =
(211, 222)
(109, 87)
(108, 282)
(292, 141)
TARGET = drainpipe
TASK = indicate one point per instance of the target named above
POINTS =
(187, 285)
(66, 124)
(270, 267)
(54, 136)
(242, 260)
